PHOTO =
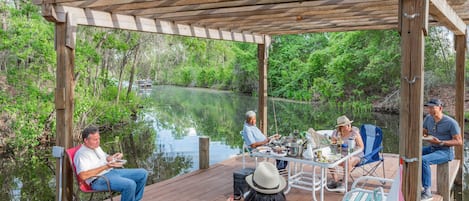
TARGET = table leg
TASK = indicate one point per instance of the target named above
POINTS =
(288, 179)
(346, 176)
(313, 186)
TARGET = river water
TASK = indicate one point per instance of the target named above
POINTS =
(164, 139)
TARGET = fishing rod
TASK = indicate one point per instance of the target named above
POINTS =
(275, 117)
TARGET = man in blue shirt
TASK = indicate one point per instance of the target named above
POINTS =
(253, 137)
(442, 132)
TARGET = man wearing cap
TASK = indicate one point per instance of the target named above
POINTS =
(442, 132)
(253, 137)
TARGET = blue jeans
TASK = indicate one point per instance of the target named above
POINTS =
(433, 156)
(129, 182)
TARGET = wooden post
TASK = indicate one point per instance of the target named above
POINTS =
(460, 46)
(204, 152)
(263, 57)
(64, 105)
(413, 26)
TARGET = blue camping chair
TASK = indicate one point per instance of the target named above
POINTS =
(373, 150)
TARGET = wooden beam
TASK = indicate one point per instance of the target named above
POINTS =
(71, 32)
(64, 105)
(176, 6)
(460, 46)
(48, 12)
(103, 19)
(442, 11)
(412, 24)
(263, 58)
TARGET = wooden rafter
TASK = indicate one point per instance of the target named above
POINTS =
(443, 12)
(269, 17)
(103, 19)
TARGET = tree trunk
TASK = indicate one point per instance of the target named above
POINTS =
(132, 70)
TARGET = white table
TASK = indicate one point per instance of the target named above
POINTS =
(299, 178)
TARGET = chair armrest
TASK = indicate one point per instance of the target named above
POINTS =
(105, 179)
(368, 156)
(376, 194)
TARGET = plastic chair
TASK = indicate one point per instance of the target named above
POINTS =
(82, 185)
(373, 150)
(378, 193)
(246, 148)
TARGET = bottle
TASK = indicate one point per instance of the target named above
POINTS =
(308, 153)
(351, 144)
(344, 149)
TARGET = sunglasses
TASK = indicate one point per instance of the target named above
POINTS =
(434, 128)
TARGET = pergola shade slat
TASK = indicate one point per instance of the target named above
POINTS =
(271, 17)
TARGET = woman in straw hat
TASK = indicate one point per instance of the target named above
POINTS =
(266, 184)
(342, 134)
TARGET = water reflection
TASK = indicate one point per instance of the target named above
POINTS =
(164, 138)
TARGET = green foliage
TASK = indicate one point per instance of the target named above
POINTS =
(245, 74)
(29, 108)
(185, 76)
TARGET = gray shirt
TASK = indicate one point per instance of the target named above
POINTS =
(445, 129)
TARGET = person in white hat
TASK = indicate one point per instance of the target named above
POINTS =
(266, 184)
(342, 134)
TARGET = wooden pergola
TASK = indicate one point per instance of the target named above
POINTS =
(255, 22)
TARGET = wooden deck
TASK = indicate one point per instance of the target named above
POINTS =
(216, 183)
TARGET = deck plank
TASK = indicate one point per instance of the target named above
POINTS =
(216, 183)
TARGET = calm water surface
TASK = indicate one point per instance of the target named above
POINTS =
(164, 139)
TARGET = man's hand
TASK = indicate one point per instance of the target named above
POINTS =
(114, 157)
(115, 164)
(276, 136)
(117, 156)
(434, 140)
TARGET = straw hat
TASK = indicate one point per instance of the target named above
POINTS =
(266, 179)
(343, 121)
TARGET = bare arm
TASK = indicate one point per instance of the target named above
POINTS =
(93, 172)
(359, 141)
(456, 141)
(256, 144)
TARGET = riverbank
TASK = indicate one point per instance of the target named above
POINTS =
(446, 93)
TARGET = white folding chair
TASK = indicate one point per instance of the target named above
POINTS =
(246, 149)
(360, 192)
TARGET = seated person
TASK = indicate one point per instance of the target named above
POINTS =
(90, 160)
(253, 137)
(266, 184)
(446, 134)
(344, 131)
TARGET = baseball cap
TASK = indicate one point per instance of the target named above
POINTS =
(434, 102)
